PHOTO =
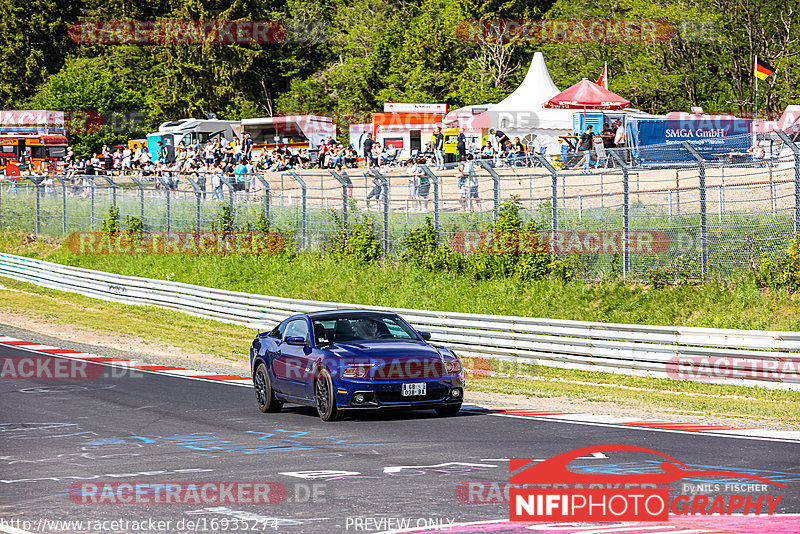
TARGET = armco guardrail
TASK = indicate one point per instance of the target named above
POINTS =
(745, 357)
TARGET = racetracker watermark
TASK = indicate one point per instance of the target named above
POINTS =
(202, 493)
(242, 32)
(56, 368)
(291, 368)
(714, 368)
(565, 241)
(176, 243)
(575, 31)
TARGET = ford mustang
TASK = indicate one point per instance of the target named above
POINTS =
(348, 360)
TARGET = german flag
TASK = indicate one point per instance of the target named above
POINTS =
(763, 69)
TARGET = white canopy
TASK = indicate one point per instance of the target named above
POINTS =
(523, 109)
(521, 114)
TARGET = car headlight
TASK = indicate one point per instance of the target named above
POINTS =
(355, 371)
(452, 367)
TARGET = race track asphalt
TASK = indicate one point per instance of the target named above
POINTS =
(374, 472)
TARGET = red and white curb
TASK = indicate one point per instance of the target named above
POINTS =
(514, 412)
(121, 362)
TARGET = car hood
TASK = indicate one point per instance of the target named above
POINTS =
(381, 351)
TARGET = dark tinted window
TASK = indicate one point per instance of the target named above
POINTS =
(332, 329)
(278, 330)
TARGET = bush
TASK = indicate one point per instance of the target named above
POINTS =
(783, 272)
(110, 225)
(225, 219)
(357, 242)
(423, 250)
(134, 225)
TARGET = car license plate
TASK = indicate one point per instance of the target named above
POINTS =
(415, 389)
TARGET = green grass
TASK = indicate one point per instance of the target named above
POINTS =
(737, 303)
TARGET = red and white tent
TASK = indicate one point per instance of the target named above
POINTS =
(587, 95)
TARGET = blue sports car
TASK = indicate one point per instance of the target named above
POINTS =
(353, 360)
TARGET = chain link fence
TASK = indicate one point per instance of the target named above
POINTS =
(664, 206)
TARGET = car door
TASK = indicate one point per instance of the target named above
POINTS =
(291, 365)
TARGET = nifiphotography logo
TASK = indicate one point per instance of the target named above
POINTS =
(548, 491)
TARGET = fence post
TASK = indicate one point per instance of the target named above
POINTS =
(796, 150)
(304, 210)
(230, 191)
(486, 165)
(554, 196)
(669, 203)
(266, 194)
(343, 183)
(199, 197)
(385, 195)
(141, 197)
(37, 184)
(113, 192)
(626, 221)
(703, 222)
(92, 187)
(167, 188)
(63, 203)
(435, 181)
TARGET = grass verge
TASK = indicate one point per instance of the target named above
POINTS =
(718, 303)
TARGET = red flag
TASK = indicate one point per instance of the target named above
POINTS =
(602, 81)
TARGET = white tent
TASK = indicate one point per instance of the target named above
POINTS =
(522, 114)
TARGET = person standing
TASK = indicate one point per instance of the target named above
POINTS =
(377, 187)
(586, 145)
(413, 171)
(438, 148)
(368, 143)
(461, 146)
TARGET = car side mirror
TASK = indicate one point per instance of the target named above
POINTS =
(425, 335)
(296, 340)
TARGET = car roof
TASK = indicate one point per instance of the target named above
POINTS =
(347, 313)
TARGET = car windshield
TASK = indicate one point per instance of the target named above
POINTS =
(362, 327)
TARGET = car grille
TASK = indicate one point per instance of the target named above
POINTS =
(409, 370)
(433, 394)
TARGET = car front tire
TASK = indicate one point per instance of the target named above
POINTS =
(265, 396)
(325, 397)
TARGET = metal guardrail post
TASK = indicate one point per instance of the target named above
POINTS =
(63, 203)
(343, 182)
(304, 208)
(385, 195)
(485, 164)
(701, 163)
(266, 194)
(796, 150)
(435, 181)
(198, 193)
(626, 215)
(554, 195)
(141, 197)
